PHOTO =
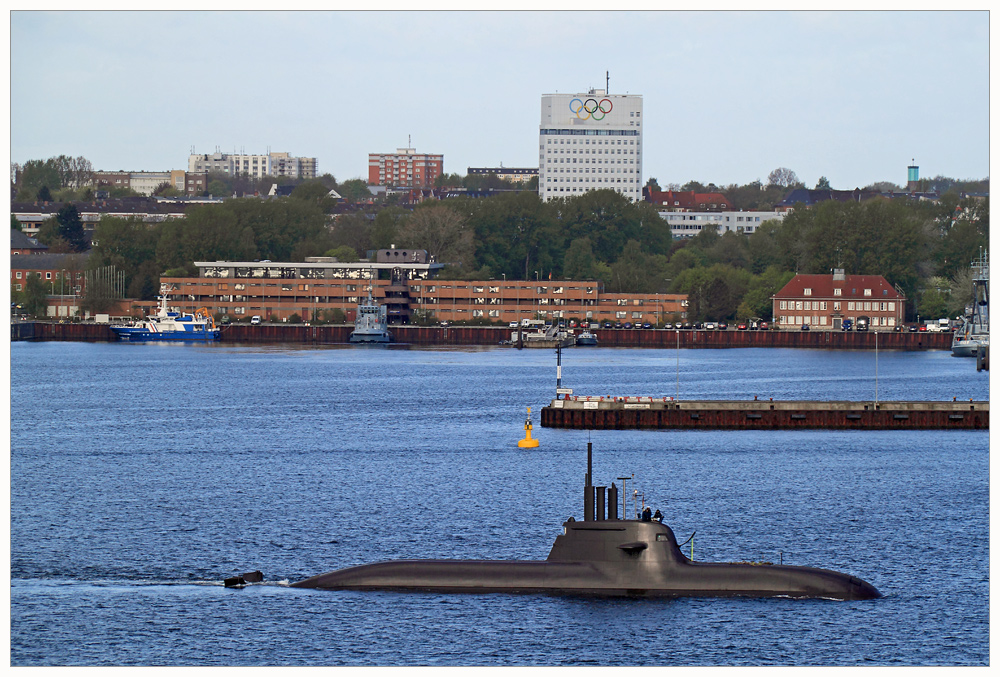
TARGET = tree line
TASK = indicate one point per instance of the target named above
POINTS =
(923, 247)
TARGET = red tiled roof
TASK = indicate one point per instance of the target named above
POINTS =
(688, 199)
(853, 286)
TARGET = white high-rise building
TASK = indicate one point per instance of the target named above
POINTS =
(588, 142)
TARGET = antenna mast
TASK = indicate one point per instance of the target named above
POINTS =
(607, 82)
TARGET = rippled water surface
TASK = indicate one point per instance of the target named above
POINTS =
(142, 475)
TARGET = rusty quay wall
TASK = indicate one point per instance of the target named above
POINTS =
(491, 336)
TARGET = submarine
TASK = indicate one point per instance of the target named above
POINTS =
(601, 555)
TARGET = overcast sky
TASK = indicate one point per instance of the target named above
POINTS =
(727, 96)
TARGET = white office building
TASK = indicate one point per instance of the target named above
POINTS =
(689, 224)
(588, 142)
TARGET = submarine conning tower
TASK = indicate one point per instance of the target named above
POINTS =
(600, 502)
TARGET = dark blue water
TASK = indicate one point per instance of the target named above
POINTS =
(142, 475)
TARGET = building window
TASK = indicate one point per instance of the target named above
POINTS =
(782, 305)
(807, 292)
(850, 305)
(868, 292)
(836, 306)
(837, 291)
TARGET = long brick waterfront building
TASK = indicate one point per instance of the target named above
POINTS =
(409, 288)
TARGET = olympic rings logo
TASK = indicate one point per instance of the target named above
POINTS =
(590, 108)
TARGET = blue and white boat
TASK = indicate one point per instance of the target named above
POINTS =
(586, 338)
(170, 325)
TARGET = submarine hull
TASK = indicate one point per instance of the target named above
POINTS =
(602, 558)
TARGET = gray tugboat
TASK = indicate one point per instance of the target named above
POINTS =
(974, 332)
(602, 555)
(371, 325)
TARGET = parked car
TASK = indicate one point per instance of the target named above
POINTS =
(607, 324)
(723, 326)
(513, 324)
(687, 325)
(847, 325)
(922, 327)
(763, 326)
(618, 325)
(696, 325)
(667, 325)
(742, 326)
(255, 319)
(711, 326)
(572, 324)
(805, 327)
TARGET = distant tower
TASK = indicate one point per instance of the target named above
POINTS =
(912, 177)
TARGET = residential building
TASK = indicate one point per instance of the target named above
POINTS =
(807, 197)
(512, 174)
(112, 180)
(146, 183)
(825, 301)
(405, 167)
(63, 274)
(195, 183)
(22, 245)
(689, 224)
(254, 166)
(590, 141)
(31, 215)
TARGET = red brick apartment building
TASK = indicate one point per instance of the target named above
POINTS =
(405, 167)
(825, 301)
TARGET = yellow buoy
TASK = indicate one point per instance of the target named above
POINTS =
(527, 441)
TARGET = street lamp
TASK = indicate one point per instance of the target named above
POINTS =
(534, 298)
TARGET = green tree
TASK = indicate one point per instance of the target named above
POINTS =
(387, 223)
(354, 190)
(35, 295)
(443, 232)
(515, 233)
(823, 183)
(316, 192)
(15, 224)
(44, 194)
(71, 227)
(343, 253)
(783, 177)
(218, 188)
(637, 272)
(579, 263)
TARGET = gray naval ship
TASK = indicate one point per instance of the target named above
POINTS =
(602, 555)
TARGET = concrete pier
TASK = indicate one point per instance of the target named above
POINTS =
(626, 413)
